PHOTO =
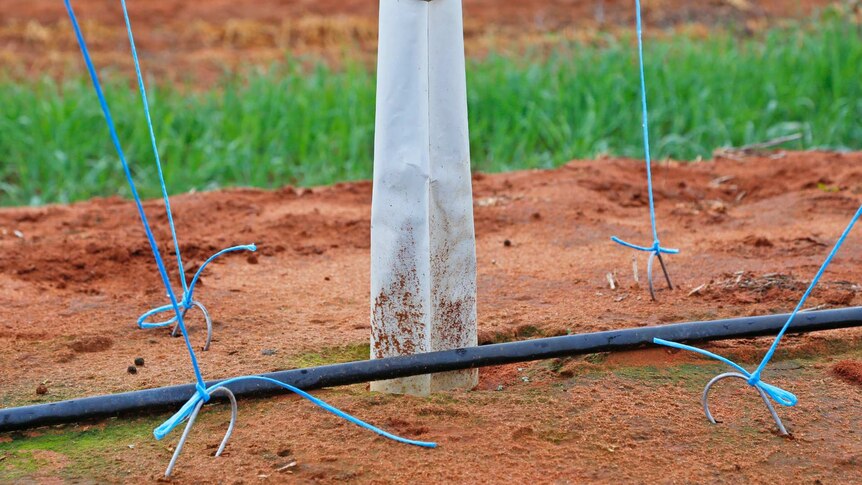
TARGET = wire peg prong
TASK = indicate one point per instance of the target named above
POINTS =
(705, 400)
(193, 416)
(195, 303)
(649, 276)
(664, 270)
(653, 255)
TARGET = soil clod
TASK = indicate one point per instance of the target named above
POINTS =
(849, 370)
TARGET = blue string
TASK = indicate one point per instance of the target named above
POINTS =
(143, 91)
(189, 406)
(656, 246)
(201, 387)
(188, 294)
(780, 396)
(187, 289)
(202, 393)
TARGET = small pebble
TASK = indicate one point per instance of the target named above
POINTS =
(132, 370)
(139, 361)
(268, 351)
(507, 243)
(41, 389)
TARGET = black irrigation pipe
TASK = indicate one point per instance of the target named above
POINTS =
(159, 399)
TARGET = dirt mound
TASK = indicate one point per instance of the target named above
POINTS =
(849, 370)
(91, 344)
(75, 278)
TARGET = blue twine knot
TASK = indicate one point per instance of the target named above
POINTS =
(186, 303)
(202, 391)
(779, 395)
(204, 394)
(656, 248)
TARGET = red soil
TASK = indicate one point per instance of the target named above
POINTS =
(752, 233)
(181, 39)
(849, 370)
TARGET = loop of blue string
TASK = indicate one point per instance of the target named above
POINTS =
(189, 406)
(779, 395)
(656, 247)
(187, 302)
(178, 306)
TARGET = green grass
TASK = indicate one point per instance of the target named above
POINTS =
(314, 125)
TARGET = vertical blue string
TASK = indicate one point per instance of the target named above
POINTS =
(188, 289)
(143, 91)
(645, 122)
(656, 246)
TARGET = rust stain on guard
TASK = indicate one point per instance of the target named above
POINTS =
(423, 254)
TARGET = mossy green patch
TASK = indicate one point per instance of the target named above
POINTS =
(19, 464)
(597, 358)
(89, 452)
(684, 373)
(332, 355)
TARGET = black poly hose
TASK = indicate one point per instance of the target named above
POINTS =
(152, 400)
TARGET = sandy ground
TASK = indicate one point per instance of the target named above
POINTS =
(199, 41)
(752, 230)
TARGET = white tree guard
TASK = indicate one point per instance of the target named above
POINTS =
(423, 253)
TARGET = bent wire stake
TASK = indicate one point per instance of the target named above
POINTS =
(656, 249)
(194, 415)
(777, 394)
(704, 400)
(188, 302)
(191, 409)
(179, 307)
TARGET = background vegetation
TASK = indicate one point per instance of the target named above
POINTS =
(301, 125)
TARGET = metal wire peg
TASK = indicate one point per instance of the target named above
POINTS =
(652, 255)
(705, 400)
(175, 331)
(193, 416)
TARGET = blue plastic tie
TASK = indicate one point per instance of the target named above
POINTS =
(202, 393)
(656, 247)
(186, 302)
(779, 395)
(189, 406)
